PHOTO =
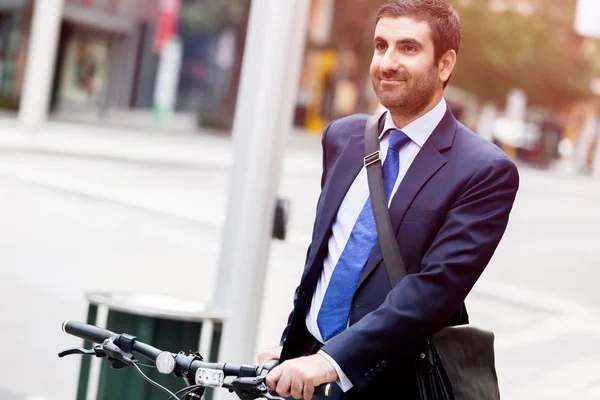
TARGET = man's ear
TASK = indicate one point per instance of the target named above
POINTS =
(446, 65)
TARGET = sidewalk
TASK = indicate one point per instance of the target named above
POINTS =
(198, 149)
(148, 183)
(4, 395)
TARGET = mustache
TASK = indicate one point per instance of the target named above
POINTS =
(399, 76)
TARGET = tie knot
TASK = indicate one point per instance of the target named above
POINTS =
(398, 139)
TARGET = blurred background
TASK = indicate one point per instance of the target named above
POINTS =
(116, 152)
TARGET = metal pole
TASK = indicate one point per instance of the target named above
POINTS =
(268, 87)
(596, 164)
(41, 60)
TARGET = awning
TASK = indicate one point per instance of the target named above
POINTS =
(10, 5)
(97, 19)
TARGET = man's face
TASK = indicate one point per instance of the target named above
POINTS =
(404, 75)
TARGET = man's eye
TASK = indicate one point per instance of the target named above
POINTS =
(381, 46)
(410, 48)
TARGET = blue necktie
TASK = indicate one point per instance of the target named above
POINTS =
(335, 309)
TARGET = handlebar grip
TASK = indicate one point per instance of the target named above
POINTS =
(86, 332)
(323, 390)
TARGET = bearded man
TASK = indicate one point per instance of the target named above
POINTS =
(451, 196)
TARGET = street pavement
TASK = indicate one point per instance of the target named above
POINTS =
(91, 208)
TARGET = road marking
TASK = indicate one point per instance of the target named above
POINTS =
(570, 381)
(566, 316)
(183, 239)
(139, 200)
(547, 330)
(79, 186)
(305, 163)
(532, 299)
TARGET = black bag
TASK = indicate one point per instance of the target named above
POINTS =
(457, 362)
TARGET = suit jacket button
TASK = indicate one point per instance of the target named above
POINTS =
(303, 294)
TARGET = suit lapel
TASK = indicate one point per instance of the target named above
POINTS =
(345, 170)
(425, 165)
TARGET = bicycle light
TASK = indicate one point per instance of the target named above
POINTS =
(165, 363)
(209, 377)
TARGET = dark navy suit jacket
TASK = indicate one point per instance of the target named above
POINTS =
(450, 212)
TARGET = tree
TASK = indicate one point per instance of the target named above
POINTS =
(538, 52)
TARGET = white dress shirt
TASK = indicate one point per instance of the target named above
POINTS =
(418, 131)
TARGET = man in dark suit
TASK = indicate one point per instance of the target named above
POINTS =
(450, 196)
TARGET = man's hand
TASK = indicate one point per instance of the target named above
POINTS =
(299, 377)
(274, 353)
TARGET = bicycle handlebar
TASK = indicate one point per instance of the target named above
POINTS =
(190, 364)
(98, 335)
(86, 332)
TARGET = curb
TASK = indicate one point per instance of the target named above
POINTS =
(6, 395)
(203, 148)
(141, 159)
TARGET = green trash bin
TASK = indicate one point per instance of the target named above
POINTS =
(166, 322)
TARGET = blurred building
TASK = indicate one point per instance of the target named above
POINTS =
(213, 36)
(335, 78)
(107, 59)
(14, 27)
(98, 54)
(108, 64)
(103, 55)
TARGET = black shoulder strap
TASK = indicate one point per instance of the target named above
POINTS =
(387, 238)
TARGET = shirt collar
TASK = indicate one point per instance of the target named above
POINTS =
(420, 129)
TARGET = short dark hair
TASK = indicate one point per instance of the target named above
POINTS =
(442, 18)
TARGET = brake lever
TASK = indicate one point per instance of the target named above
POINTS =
(252, 388)
(266, 392)
(96, 351)
(268, 395)
(116, 357)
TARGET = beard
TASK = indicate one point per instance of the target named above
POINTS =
(411, 97)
